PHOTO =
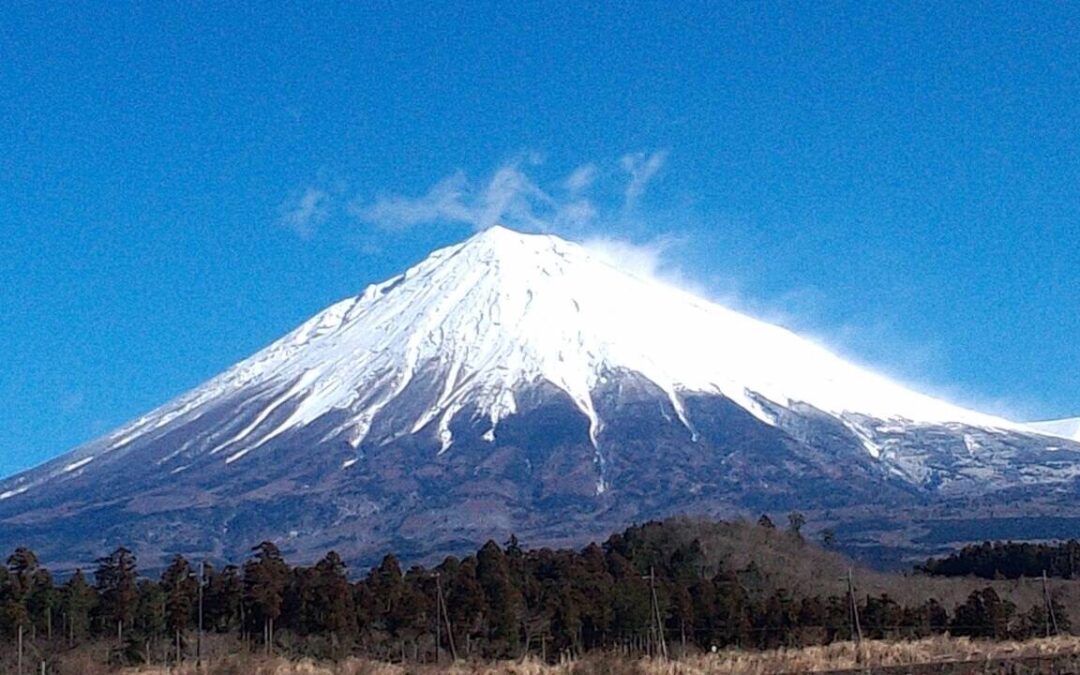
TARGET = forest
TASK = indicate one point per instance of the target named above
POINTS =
(654, 587)
(1008, 560)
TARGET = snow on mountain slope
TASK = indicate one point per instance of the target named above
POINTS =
(1067, 428)
(505, 309)
(521, 383)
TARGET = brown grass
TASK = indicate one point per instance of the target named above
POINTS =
(837, 656)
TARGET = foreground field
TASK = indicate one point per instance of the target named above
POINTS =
(872, 655)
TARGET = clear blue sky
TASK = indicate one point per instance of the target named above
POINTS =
(180, 184)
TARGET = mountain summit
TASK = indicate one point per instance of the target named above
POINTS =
(514, 382)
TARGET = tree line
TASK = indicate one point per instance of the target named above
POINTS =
(644, 590)
(1008, 560)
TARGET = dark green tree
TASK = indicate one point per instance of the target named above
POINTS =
(984, 615)
(223, 599)
(21, 565)
(265, 578)
(330, 601)
(78, 601)
(181, 589)
(505, 605)
(116, 582)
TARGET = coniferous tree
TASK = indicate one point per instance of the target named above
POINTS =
(505, 605)
(181, 590)
(323, 602)
(223, 598)
(630, 600)
(148, 621)
(78, 601)
(466, 604)
(984, 614)
(116, 583)
(42, 601)
(17, 588)
(265, 578)
(387, 587)
(340, 615)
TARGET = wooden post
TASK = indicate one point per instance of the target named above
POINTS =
(1051, 620)
(659, 629)
(438, 617)
(198, 648)
(20, 671)
(857, 627)
(446, 619)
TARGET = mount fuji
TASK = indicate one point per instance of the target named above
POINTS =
(521, 384)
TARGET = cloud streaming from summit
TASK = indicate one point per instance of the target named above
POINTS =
(607, 207)
(589, 197)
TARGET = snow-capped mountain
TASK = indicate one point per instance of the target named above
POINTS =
(502, 384)
(1066, 428)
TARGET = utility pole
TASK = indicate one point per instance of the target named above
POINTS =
(445, 618)
(854, 609)
(1051, 620)
(20, 649)
(198, 643)
(659, 630)
(438, 617)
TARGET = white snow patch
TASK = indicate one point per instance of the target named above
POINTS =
(972, 444)
(16, 491)
(74, 466)
(1068, 428)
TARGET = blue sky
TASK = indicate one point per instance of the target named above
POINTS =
(182, 183)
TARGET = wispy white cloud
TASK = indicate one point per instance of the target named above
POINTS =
(304, 214)
(580, 179)
(444, 202)
(508, 196)
(512, 196)
(642, 167)
(655, 259)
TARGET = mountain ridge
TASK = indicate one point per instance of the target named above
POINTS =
(531, 381)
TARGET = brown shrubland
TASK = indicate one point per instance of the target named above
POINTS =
(837, 656)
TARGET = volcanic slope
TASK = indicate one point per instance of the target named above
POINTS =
(515, 383)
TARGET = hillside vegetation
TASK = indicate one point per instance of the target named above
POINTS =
(671, 588)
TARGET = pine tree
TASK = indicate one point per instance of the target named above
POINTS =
(332, 599)
(387, 586)
(265, 578)
(116, 583)
(465, 603)
(77, 604)
(505, 605)
(181, 590)
(223, 598)
(42, 601)
(147, 621)
(18, 580)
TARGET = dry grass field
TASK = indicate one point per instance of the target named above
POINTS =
(838, 656)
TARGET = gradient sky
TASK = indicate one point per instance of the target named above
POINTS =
(180, 184)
